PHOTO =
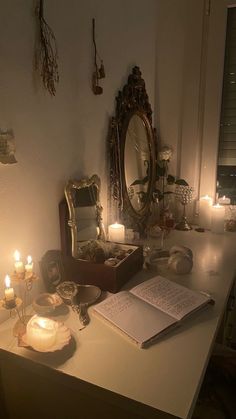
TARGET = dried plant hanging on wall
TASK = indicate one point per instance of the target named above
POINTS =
(99, 72)
(46, 52)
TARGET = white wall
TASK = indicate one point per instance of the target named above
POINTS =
(61, 137)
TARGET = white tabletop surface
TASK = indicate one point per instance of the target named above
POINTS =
(167, 375)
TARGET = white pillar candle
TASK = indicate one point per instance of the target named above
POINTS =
(218, 219)
(19, 267)
(116, 232)
(9, 291)
(29, 265)
(41, 332)
(224, 200)
(205, 205)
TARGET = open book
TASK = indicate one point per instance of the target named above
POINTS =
(151, 308)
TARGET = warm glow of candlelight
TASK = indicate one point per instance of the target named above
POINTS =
(29, 259)
(41, 332)
(19, 267)
(7, 281)
(9, 292)
(217, 220)
(116, 232)
(17, 256)
(29, 265)
(205, 204)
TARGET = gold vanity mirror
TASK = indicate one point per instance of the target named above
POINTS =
(132, 155)
(85, 212)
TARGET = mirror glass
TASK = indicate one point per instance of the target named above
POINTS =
(85, 200)
(85, 211)
(137, 161)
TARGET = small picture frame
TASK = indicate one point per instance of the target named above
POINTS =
(52, 269)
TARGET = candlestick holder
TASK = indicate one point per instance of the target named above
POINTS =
(25, 280)
(13, 306)
(184, 195)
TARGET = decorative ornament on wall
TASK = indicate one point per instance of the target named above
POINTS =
(7, 146)
(46, 60)
(99, 72)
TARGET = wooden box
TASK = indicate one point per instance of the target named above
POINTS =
(57, 267)
(109, 278)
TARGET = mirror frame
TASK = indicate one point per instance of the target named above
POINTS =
(132, 100)
(72, 222)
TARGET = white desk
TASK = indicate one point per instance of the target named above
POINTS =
(162, 381)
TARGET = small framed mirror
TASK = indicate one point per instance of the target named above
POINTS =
(84, 212)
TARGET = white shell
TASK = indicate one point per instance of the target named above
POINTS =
(63, 337)
(180, 263)
(181, 249)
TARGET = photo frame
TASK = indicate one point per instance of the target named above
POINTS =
(52, 269)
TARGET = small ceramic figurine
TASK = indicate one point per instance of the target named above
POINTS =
(180, 260)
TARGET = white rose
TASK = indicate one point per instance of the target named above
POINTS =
(165, 153)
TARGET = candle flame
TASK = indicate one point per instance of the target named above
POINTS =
(7, 281)
(224, 197)
(29, 260)
(17, 256)
(116, 225)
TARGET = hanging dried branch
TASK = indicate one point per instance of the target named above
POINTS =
(46, 54)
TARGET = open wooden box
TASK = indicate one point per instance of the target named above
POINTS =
(109, 278)
(58, 266)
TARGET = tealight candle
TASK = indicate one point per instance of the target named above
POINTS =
(41, 332)
(218, 219)
(19, 267)
(116, 232)
(9, 291)
(224, 200)
(29, 265)
(205, 205)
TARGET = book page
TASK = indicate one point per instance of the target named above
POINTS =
(171, 298)
(133, 316)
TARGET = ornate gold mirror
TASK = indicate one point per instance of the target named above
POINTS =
(132, 151)
(85, 219)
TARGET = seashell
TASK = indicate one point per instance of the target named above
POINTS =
(180, 263)
(111, 262)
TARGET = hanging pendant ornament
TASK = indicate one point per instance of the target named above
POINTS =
(46, 52)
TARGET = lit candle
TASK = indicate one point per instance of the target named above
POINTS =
(19, 267)
(205, 205)
(224, 200)
(29, 265)
(9, 292)
(116, 232)
(41, 332)
(218, 219)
